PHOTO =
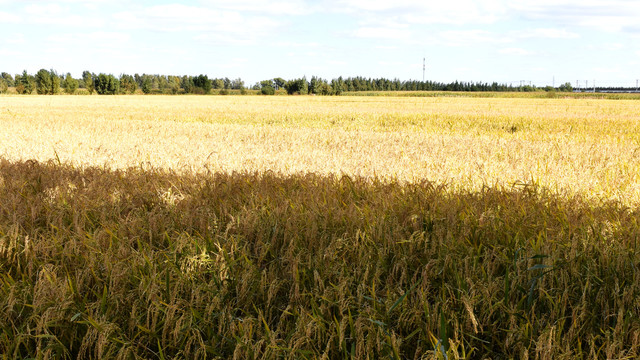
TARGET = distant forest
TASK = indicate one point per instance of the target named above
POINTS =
(50, 82)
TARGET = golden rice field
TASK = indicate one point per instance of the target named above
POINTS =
(584, 146)
(250, 227)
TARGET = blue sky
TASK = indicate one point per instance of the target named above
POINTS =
(466, 40)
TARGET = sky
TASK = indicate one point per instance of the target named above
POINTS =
(542, 42)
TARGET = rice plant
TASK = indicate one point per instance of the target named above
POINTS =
(150, 263)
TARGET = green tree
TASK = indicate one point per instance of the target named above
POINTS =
(297, 86)
(174, 84)
(8, 79)
(18, 84)
(314, 85)
(320, 86)
(138, 80)
(147, 84)
(55, 82)
(87, 77)
(128, 84)
(163, 82)
(202, 82)
(113, 85)
(237, 84)
(43, 82)
(324, 88)
(267, 90)
(566, 87)
(106, 84)
(279, 83)
(70, 84)
(218, 84)
(187, 83)
(47, 82)
(264, 83)
(26, 84)
(3, 86)
(338, 85)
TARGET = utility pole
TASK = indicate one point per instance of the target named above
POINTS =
(554, 82)
(636, 85)
(424, 67)
(594, 86)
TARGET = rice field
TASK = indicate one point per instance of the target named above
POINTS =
(576, 146)
(250, 227)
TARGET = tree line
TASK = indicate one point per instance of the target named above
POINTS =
(50, 82)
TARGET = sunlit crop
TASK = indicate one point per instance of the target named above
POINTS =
(590, 147)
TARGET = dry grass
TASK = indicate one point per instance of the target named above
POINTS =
(587, 147)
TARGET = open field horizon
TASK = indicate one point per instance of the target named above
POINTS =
(577, 146)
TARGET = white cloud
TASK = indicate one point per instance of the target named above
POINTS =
(461, 70)
(515, 51)
(77, 21)
(366, 5)
(383, 33)
(282, 7)
(292, 44)
(614, 46)
(427, 12)
(234, 63)
(380, 27)
(95, 2)
(210, 25)
(15, 39)
(9, 18)
(606, 70)
(612, 15)
(172, 17)
(43, 9)
(57, 15)
(7, 52)
(222, 38)
(104, 38)
(547, 33)
(469, 37)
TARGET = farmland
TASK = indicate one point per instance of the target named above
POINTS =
(588, 147)
(309, 227)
